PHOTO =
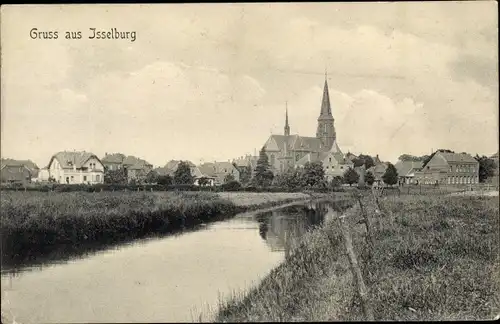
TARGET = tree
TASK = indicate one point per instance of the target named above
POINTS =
(336, 182)
(231, 185)
(313, 174)
(152, 177)
(245, 174)
(183, 174)
(390, 176)
(263, 174)
(228, 178)
(365, 160)
(203, 181)
(164, 180)
(487, 167)
(115, 176)
(290, 179)
(409, 157)
(369, 178)
(351, 176)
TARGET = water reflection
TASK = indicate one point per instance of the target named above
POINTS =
(282, 228)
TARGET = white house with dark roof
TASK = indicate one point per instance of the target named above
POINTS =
(285, 151)
(76, 168)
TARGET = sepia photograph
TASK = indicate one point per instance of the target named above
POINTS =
(249, 162)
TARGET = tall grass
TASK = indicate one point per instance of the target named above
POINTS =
(435, 258)
(36, 223)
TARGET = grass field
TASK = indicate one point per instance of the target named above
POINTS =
(35, 223)
(435, 258)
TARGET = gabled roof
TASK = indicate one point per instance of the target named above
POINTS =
(457, 157)
(30, 165)
(350, 156)
(378, 168)
(406, 167)
(69, 159)
(211, 169)
(135, 161)
(298, 143)
(113, 158)
(162, 171)
(173, 164)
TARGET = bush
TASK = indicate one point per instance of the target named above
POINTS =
(232, 185)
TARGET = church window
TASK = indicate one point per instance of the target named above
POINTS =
(329, 159)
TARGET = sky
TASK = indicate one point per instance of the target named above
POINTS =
(209, 82)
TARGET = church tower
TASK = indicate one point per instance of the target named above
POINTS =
(326, 131)
(287, 127)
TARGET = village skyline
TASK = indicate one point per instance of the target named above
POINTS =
(201, 88)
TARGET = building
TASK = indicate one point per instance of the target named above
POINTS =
(113, 161)
(136, 168)
(246, 163)
(406, 170)
(76, 168)
(449, 168)
(219, 171)
(291, 151)
(170, 168)
(18, 171)
(15, 174)
(334, 162)
(378, 170)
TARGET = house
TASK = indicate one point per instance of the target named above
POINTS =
(219, 171)
(334, 162)
(136, 168)
(246, 165)
(113, 161)
(172, 165)
(406, 170)
(76, 168)
(449, 168)
(378, 170)
(15, 174)
(28, 164)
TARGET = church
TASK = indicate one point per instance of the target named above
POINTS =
(294, 151)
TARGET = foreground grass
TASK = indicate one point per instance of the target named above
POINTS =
(435, 258)
(36, 223)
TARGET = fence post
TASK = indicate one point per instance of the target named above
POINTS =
(356, 271)
(369, 237)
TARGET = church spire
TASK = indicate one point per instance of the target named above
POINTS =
(326, 130)
(287, 127)
(326, 110)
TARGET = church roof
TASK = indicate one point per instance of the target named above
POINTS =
(298, 143)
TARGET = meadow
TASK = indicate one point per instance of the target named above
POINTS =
(434, 258)
(36, 223)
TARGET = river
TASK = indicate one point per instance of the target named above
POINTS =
(170, 279)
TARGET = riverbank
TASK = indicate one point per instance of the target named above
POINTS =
(35, 224)
(434, 258)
